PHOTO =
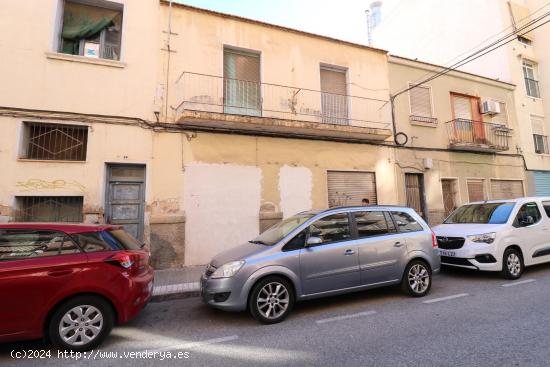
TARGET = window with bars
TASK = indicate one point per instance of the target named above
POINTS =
(92, 29)
(540, 138)
(49, 209)
(334, 99)
(530, 76)
(420, 99)
(54, 142)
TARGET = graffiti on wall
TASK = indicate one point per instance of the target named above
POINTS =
(38, 184)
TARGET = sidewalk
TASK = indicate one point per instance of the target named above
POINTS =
(177, 283)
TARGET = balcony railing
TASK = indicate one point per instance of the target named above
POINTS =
(208, 93)
(532, 87)
(478, 135)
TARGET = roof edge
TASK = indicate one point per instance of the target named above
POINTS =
(270, 25)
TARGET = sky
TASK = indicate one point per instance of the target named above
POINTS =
(346, 21)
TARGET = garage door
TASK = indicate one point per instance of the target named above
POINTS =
(349, 188)
(542, 183)
(506, 189)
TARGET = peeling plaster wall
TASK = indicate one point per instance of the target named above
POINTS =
(222, 205)
(295, 184)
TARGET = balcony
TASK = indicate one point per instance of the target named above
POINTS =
(478, 135)
(213, 103)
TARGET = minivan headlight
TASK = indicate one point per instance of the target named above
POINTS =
(483, 238)
(228, 270)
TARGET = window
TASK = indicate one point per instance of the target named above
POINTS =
(502, 116)
(95, 242)
(54, 142)
(369, 224)
(49, 208)
(531, 83)
(406, 223)
(488, 213)
(334, 100)
(21, 244)
(420, 99)
(539, 136)
(506, 189)
(297, 242)
(241, 83)
(476, 190)
(546, 205)
(333, 228)
(279, 231)
(528, 215)
(349, 188)
(91, 31)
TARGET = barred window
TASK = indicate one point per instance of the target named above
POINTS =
(54, 142)
(49, 208)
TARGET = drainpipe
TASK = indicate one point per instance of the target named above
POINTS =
(169, 50)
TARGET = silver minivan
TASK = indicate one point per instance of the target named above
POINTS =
(320, 253)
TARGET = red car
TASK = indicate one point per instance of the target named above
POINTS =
(70, 283)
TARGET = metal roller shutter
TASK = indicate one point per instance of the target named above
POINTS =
(334, 103)
(421, 101)
(476, 190)
(349, 188)
(542, 183)
(462, 107)
(506, 189)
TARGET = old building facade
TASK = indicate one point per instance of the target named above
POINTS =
(197, 130)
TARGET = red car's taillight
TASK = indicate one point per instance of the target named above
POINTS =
(124, 259)
(434, 241)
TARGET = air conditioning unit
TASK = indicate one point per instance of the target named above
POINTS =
(490, 107)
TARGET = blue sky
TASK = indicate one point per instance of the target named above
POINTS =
(344, 19)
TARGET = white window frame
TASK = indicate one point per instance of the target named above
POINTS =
(117, 5)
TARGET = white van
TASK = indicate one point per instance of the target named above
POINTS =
(500, 235)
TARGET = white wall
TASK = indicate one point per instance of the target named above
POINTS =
(222, 205)
(295, 185)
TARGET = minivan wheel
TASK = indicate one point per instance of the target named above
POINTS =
(271, 300)
(417, 279)
(81, 324)
(512, 264)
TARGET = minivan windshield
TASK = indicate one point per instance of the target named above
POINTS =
(277, 232)
(485, 213)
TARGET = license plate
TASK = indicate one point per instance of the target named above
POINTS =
(447, 253)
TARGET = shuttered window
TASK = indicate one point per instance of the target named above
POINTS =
(449, 187)
(476, 190)
(349, 188)
(420, 99)
(334, 102)
(462, 107)
(241, 72)
(506, 189)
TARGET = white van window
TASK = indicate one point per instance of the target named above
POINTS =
(546, 205)
(528, 215)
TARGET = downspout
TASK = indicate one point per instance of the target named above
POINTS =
(169, 51)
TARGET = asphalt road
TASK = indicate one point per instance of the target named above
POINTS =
(469, 319)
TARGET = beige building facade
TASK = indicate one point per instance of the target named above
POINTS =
(197, 130)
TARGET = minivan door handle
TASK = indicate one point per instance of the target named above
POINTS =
(398, 244)
(59, 273)
(349, 252)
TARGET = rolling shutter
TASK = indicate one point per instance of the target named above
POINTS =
(241, 65)
(476, 190)
(421, 101)
(506, 189)
(349, 188)
(542, 183)
(462, 107)
(241, 83)
(333, 81)
(334, 103)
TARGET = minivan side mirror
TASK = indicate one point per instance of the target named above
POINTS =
(526, 221)
(313, 241)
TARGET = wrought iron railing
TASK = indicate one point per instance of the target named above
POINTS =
(485, 135)
(49, 209)
(208, 93)
(532, 87)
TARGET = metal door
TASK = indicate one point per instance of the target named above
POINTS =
(125, 197)
(349, 188)
(414, 185)
(449, 195)
(542, 183)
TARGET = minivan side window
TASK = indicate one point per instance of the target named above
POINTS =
(297, 242)
(332, 228)
(546, 205)
(370, 224)
(528, 215)
(30, 244)
(405, 222)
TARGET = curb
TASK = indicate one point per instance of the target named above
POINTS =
(174, 296)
